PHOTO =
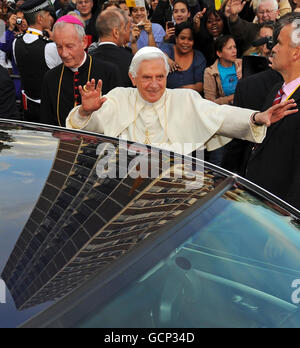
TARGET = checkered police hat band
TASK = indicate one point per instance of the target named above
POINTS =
(39, 7)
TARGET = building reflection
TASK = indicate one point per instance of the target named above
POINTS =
(5, 139)
(81, 223)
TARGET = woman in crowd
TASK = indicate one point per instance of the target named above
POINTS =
(181, 14)
(213, 25)
(220, 82)
(190, 63)
(221, 78)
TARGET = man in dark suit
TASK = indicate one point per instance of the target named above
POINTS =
(8, 107)
(275, 164)
(251, 93)
(113, 26)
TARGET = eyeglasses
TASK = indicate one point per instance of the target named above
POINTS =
(268, 12)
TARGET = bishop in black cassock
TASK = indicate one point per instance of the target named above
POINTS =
(60, 87)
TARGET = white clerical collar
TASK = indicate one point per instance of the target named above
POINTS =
(106, 43)
(84, 59)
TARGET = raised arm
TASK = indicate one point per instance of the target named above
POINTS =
(91, 98)
(233, 8)
(197, 20)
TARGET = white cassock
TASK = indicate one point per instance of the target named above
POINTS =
(181, 121)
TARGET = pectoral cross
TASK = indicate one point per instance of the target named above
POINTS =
(147, 139)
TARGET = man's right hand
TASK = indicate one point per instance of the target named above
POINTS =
(91, 98)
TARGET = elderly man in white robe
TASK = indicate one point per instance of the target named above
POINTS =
(178, 120)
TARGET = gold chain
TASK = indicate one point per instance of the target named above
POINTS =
(59, 88)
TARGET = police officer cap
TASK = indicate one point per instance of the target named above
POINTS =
(33, 6)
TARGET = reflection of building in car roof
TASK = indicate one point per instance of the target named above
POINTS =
(82, 223)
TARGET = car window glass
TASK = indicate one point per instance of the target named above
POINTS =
(240, 269)
(62, 217)
(26, 157)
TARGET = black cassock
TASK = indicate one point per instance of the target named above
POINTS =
(60, 88)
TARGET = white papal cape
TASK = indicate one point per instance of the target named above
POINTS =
(183, 116)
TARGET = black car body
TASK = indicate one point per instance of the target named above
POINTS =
(84, 236)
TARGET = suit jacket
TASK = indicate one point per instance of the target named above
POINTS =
(250, 93)
(275, 164)
(119, 56)
(8, 107)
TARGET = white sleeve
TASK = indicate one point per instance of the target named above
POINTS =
(92, 123)
(107, 119)
(215, 125)
(51, 56)
(237, 124)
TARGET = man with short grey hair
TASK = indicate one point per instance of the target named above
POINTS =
(177, 120)
(61, 85)
(246, 32)
(278, 156)
(114, 27)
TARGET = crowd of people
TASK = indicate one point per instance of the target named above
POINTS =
(56, 52)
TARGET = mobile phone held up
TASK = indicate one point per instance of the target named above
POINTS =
(170, 25)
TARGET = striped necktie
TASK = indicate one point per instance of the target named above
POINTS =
(278, 97)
